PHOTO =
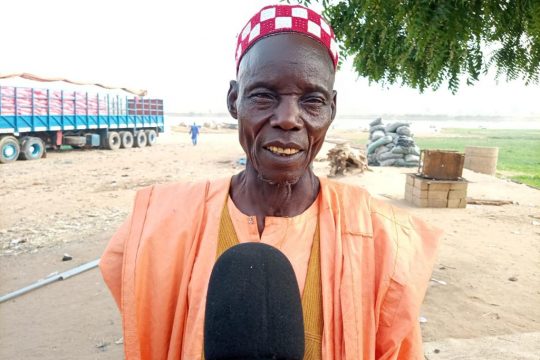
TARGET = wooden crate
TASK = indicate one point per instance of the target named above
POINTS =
(442, 164)
(435, 193)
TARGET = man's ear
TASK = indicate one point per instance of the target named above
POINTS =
(232, 95)
(334, 104)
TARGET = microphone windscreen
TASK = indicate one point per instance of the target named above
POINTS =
(253, 306)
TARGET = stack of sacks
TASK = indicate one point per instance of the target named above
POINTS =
(30, 101)
(391, 145)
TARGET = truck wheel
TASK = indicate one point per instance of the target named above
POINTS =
(113, 141)
(32, 148)
(151, 137)
(126, 139)
(140, 139)
(9, 149)
(22, 140)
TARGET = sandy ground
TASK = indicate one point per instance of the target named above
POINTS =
(72, 201)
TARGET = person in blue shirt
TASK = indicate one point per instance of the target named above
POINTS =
(194, 131)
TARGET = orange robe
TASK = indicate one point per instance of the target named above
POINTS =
(376, 262)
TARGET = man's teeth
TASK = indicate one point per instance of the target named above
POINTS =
(282, 151)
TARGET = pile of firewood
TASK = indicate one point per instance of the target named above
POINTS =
(345, 160)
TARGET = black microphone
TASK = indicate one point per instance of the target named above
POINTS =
(253, 307)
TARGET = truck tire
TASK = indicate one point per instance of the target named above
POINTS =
(22, 140)
(32, 148)
(113, 141)
(140, 139)
(9, 149)
(126, 138)
(151, 137)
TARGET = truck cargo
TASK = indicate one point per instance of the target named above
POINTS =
(33, 120)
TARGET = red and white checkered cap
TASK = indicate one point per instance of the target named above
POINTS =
(286, 18)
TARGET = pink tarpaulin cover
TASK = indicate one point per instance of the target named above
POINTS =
(30, 101)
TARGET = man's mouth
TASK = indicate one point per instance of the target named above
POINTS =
(282, 151)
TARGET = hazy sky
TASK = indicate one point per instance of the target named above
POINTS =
(183, 51)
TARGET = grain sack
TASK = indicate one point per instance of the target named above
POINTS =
(382, 141)
(404, 130)
(376, 135)
(392, 127)
(414, 150)
(411, 163)
(411, 158)
(389, 162)
(402, 162)
(380, 150)
(388, 155)
(404, 141)
(400, 150)
(377, 121)
(377, 127)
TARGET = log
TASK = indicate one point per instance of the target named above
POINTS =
(492, 202)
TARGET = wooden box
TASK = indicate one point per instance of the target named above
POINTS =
(441, 164)
(435, 193)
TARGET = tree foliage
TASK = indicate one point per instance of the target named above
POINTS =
(422, 43)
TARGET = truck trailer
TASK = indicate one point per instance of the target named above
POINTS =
(33, 120)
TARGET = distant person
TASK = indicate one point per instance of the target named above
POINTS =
(194, 131)
(362, 265)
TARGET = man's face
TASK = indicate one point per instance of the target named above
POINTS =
(284, 102)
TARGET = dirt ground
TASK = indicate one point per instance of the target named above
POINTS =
(487, 306)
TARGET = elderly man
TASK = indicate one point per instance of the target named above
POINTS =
(362, 266)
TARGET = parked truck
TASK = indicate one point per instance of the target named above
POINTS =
(33, 120)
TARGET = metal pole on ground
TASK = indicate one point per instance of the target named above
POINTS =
(50, 279)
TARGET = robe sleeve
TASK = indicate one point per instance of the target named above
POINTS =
(112, 259)
(409, 247)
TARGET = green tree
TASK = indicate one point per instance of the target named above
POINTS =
(422, 43)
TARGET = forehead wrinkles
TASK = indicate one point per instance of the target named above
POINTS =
(287, 79)
(286, 49)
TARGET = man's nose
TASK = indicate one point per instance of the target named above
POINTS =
(287, 114)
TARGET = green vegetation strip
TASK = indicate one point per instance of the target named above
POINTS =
(519, 150)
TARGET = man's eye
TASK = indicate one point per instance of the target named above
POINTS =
(262, 99)
(314, 101)
(261, 96)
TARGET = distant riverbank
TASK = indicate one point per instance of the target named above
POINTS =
(419, 123)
